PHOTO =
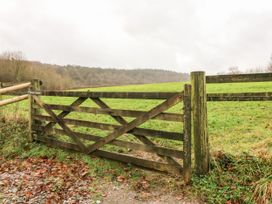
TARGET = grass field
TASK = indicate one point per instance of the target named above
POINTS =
(236, 128)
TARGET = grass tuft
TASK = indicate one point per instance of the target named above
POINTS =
(232, 179)
(263, 191)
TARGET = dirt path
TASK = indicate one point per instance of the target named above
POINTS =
(38, 180)
(122, 194)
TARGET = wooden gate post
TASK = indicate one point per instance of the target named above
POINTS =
(187, 134)
(35, 87)
(200, 122)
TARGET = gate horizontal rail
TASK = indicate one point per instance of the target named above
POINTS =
(123, 95)
(110, 127)
(126, 144)
(113, 156)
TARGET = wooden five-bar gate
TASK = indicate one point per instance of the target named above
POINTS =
(172, 160)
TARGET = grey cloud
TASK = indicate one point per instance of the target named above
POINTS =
(178, 35)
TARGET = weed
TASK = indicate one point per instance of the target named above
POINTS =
(231, 179)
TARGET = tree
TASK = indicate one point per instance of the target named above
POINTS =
(15, 63)
(234, 70)
(11, 66)
(256, 70)
(269, 67)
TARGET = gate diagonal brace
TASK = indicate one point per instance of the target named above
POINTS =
(61, 123)
(138, 121)
(63, 114)
(142, 138)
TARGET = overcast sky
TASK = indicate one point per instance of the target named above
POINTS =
(180, 35)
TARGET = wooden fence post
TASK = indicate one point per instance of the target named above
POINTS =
(1, 97)
(200, 122)
(35, 87)
(187, 134)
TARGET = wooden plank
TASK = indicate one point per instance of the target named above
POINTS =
(123, 95)
(237, 78)
(109, 127)
(187, 134)
(61, 123)
(113, 156)
(138, 121)
(130, 145)
(142, 138)
(13, 100)
(260, 96)
(14, 88)
(200, 122)
(116, 112)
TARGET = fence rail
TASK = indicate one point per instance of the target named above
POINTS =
(14, 88)
(258, 96)
(237, 78)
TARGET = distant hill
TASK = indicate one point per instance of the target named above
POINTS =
(73, 76)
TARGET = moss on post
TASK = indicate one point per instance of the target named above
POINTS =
(200, 122)
(187, 134)
(35, 87)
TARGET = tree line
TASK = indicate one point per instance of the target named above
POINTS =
(15, 68)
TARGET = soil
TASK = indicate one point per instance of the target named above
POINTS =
(122, 194)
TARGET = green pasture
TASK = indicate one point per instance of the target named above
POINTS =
(234, 127)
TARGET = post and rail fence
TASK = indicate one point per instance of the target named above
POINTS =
(48, 122)
(8, 89)
(199, 107)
